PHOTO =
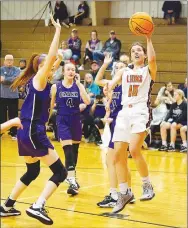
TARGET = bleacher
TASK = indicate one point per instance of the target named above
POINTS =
(169, 42)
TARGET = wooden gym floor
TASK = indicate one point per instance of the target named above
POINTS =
(167, 209)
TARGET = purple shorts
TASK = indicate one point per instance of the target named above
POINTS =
(112, 126)
(32, 140)
(69, 127)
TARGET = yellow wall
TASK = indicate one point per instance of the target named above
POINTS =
(100, 11)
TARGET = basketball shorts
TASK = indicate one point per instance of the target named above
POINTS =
(131, 119)
(32, 140)
(69, 127)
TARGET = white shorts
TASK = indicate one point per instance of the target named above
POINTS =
(131, 119)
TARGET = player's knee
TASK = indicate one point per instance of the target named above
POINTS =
(135, 152)
(32, 173)
(173, 125)
(59, 172)
(182, 129)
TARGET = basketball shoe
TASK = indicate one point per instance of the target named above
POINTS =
(10, 212)
(40, 214)
(108, 201)
(148, 192)
(123, 200)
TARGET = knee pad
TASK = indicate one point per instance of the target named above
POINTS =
(33, 170)
(69, 157)
(59, 172)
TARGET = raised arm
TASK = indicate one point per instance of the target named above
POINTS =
(99, 77)
(57, 62)
(151, 58)
(41, 77)
(116, 80)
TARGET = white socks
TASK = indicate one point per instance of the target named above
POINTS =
(113, 193)
(40, 202)
(185, 143)
(123, 188)
(164, 143)
(146, 180)
(172, 144)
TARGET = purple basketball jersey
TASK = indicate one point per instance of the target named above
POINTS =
(32, 139)
(36, 105)
(67, 99)
(115, 105)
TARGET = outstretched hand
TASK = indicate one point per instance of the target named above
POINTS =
(108, 58)
(55, 24)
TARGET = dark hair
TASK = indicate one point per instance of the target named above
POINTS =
(30, 71)
(171, 92)
(95, 32)
(23, 60)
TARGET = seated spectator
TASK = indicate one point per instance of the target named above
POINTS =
(94, 68)
(91, 88)
(183, 133)
(9, 98)
(112, 45)
(75, 43)
(61, 13)
(183, 87)
(172, 10)
(65, 51)
(22, 65)
(165, 95)
(83, 12)
(175, 119)
(158, 115)
(94, 44)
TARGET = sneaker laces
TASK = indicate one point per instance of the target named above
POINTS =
(146, 188)
(44, 210)
(108, 197)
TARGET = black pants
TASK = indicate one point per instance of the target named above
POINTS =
(89, 128)
(10, 105)
(76, 20)
(60, 17)
(89, 54)
(52, 121)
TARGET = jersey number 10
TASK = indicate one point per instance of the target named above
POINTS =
(133, 90)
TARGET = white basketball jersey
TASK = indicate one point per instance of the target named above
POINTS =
(136, 86)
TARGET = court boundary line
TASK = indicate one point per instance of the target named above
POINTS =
(102, 215)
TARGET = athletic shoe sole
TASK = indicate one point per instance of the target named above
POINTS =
(110, 205)
(132, 197)
(42, 220)
(9, 214)
(146, 199)
(72, 192)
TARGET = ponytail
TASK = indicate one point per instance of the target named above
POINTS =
(30, 71)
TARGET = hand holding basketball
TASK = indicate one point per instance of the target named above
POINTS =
(141, 24)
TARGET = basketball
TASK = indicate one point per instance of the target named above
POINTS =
(141, 24)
